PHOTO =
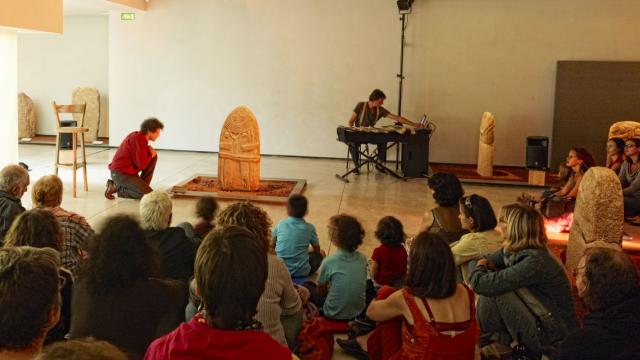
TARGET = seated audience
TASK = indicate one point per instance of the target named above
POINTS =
(117, 298)
(82, 349)
(206, 209)
(77, 234)
(629, 178)
(432, 317)
(292, 238)
(29, 287)
(40, 229)
(609, 287)
(444, 219)
(388, 265)
(615, 154)
(231, 270)
(176, 250)
(516, 285)
(14, 180)
(343, 276)
(280, 307)
(476, 216)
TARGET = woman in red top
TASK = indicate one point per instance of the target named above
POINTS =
(432, 318)
(230, 272)
(615, 154)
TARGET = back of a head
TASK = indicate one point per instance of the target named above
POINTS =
(151, 125)
(231, 271)
(525, 229)
(82, 349)
(12, 175)
(611, 278)
(297, 206)
(47, 191)
(479, 209)
(346, 232)
(390, 231)
(206, 208)
(432, 273)
(121, 255)
(155, 210)
(249, 216)
(447, 189)
(37, 228)
(29, 290)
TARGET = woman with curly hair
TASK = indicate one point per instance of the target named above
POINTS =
(279, 307)
(444, 218)
(117, 298)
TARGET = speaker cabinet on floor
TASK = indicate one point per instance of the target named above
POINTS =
(537, 152)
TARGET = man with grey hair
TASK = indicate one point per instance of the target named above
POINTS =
(14, 180)
(29, 299)
(177, 251)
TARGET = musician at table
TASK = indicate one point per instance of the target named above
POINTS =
(367, 113)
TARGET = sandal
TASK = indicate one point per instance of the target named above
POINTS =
(359, 327)
(351, 347)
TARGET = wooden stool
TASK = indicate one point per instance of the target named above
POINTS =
(537, 177)
(77, 133)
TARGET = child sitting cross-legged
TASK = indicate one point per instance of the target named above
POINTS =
(292, 238)
(388, 264)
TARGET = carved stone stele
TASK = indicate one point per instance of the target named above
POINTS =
(239, 156)
(598, 214)
(624, 130)
(27, 121)
(91, 96)
(485, 145)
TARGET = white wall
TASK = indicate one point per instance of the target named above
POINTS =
(302, 65)
(8, 97)
(50, 66)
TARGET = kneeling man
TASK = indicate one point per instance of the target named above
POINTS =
(134, 162)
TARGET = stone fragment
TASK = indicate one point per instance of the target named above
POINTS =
(90, 96)
(624, 130)
(239, 156)
(485, 145)
(27, 121)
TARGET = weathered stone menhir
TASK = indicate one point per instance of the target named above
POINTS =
(485, 145)
(90, 96)
(625, 130)
(239, 156)
(27, 121)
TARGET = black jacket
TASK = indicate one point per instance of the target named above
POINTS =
(177, 253)
(613, 333)
(10, 208)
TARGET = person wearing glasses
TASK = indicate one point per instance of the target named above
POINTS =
(629, 178)
(477, 217)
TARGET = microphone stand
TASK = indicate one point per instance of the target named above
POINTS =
(400, 76)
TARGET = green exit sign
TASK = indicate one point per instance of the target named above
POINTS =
(127, 16)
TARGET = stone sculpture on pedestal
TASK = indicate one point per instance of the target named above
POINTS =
(624, 130)
(26, 117)
(239, 156)
(90, 96)
(485, 145)
(598, 215)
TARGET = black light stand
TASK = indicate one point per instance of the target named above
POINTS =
(404, 8)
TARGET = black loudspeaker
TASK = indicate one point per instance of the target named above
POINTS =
(537, 152)
(415, 155)
(66, 140)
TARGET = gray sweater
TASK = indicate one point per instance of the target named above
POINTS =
(630, 182)
(535, 269)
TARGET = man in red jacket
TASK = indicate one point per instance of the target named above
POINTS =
(134, 162)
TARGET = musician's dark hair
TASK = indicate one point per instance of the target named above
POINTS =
(377, 94)
(346, 232)
(151, 125)
(297, 206)
(447, 189)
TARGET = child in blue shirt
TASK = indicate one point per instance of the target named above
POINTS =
(292, 238)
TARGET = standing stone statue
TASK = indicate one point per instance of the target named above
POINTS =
(598, 215)
(91, 96)
(485, 145)
(239, 156)
(27, 121)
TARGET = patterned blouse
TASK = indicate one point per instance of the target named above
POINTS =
(77, 233)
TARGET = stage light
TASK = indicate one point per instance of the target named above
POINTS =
(404, 5)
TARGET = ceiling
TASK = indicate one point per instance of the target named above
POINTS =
(92, 7)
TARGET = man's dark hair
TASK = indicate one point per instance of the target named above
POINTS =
(297, 206)
(29, 286)
(447, 189)
(121, 256)
(346, 232)
(231, 271)
(206, 208)
(390, 231)
(37, 228)
(610, 278)
(432, 273)
(150, 125)
(377, 94)
(479, 209)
